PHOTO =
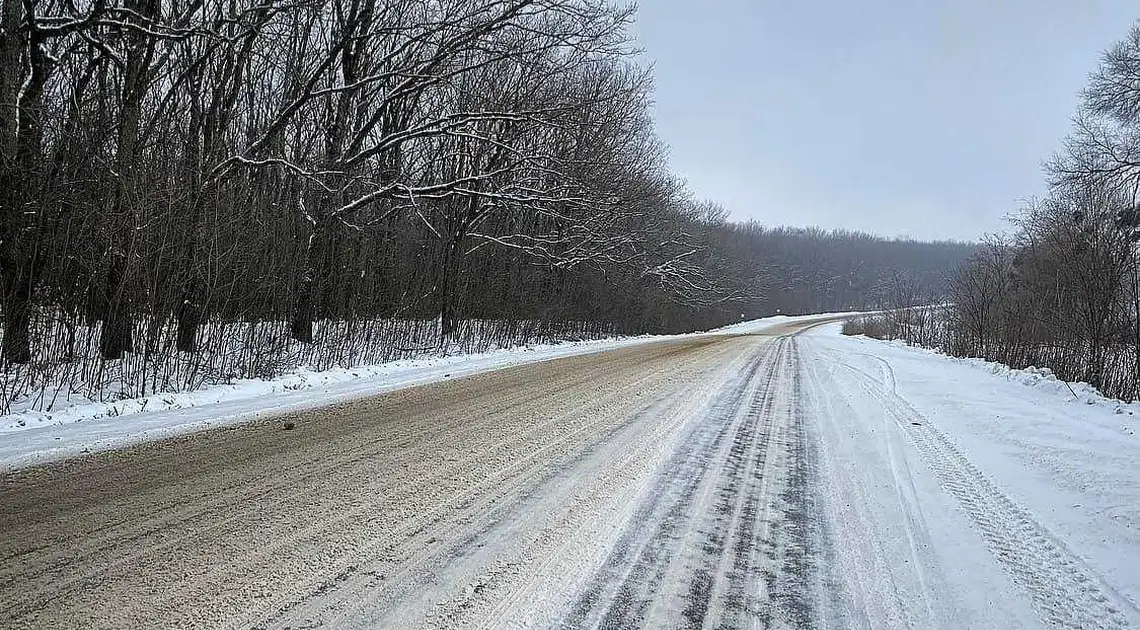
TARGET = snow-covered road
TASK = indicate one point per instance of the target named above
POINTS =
(787, 479)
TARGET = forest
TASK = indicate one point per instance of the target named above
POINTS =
(1061, 290)
(193, 191)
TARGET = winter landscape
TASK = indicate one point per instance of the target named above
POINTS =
(405, 314)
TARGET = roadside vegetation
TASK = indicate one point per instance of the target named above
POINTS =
(192, 192)
(1062, 290)
(921, 326)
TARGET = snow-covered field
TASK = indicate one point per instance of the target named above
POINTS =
(1061, 453)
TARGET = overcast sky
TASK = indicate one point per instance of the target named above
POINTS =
(923, 118)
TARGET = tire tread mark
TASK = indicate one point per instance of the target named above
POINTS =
(619, 594)
(1063, 589)
(753, 547)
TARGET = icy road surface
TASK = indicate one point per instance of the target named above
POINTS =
(769, 480)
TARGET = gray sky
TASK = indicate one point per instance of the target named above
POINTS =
(909, 117)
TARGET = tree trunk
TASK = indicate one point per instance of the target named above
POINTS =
(301, 328)
(304, 307)
(448, 278)
(116, 337)
(20, 135)
(16, 344)
(189, 311)
(1135, 393)
(12, 42)
(189, 315)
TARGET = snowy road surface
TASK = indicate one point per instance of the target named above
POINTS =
(771, 480)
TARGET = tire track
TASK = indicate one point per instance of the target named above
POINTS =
(729, 527)
(481, 507)
(1065, 592)
(794, 586)
(571, 537)
(291, 513)
(638, 561)
(726, 536)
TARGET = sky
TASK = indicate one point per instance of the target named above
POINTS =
(917, 118)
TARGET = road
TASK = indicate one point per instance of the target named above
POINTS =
(734, 481)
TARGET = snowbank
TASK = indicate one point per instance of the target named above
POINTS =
(1040, 378)
(1061, 451)
(30, 437)
(33, 437)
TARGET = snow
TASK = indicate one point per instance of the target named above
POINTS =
(767, 323)
(951, 492)
(1060, 452)
(32, 437)
(29, 437)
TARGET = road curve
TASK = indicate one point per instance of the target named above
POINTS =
(709, 482)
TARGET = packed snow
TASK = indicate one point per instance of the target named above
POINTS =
(1061, 452)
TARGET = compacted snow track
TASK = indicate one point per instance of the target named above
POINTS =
(1063, 591)
(734, 481)
(721, 540)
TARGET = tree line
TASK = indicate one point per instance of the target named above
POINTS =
(197, 190)
(1062, 289)
(811, 270)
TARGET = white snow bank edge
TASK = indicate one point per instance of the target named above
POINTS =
(1041, 378)
(31, 438)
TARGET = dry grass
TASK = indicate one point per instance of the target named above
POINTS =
(874, 326)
